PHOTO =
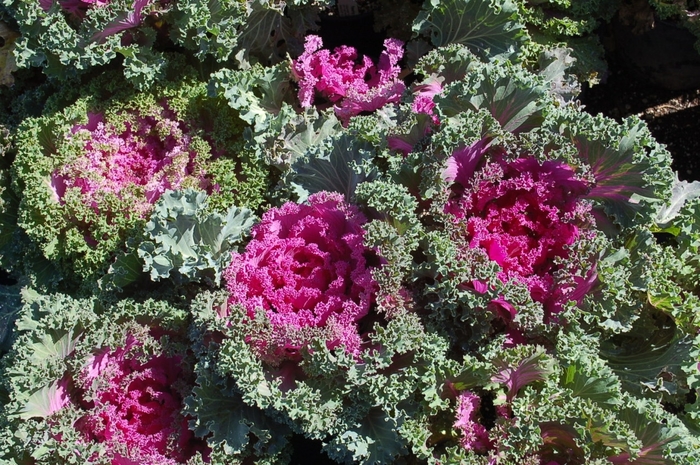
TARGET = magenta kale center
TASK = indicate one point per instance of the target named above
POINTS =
(523, 214)
(305, 268)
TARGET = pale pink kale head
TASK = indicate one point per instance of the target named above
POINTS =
(306, 269)
(524, 214)
(473, 435)
(353, 85)
(137, 163)
(136, 408)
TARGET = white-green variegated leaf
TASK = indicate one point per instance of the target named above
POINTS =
(187, 242)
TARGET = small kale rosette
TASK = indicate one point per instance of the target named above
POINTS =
(350, 84)
(305, 272)
(89, 175)
(99, 382)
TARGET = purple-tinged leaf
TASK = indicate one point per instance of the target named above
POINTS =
(46, 401)
(620, 186)
(126, 21)
(463, 163)
(531, 369)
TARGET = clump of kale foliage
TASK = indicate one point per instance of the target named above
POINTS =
(225, 236)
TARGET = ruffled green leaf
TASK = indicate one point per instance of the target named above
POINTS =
(220, 414)
(599, 389)
(514, 98)
(374, 441)
(681, 192)
(665, 441)
(209, 27)
(187, 243)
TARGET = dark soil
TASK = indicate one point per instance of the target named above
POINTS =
(673, 116)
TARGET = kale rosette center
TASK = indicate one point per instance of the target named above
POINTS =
(526, 216)
(138, 411)
(149, 156)
(306, 269)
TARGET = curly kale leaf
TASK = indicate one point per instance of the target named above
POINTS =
(209, 27)
(681, 193)
(219, 413)
(189, 244)
(9, 309)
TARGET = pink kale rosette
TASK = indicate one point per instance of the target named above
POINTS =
(136, 163)
(135, 407)
(305, 270)
(340, 78)
(525, 215)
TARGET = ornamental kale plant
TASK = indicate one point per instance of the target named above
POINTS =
(89, 175)
(429, 256)
(339, 79)
(96, 385)
(69, 38)
(524, 215)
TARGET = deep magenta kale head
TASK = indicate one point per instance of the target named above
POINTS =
(341, 78)
(135, 407)
(306, 269)
(524, 214)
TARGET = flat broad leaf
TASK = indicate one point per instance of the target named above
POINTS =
(46, 401)
(331, 169)
(126, 269)
(488, 28)
(647, 365)
(265, 33)
(374, 441)
(49, 348)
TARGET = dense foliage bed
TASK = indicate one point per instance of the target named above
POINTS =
(225, 236)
